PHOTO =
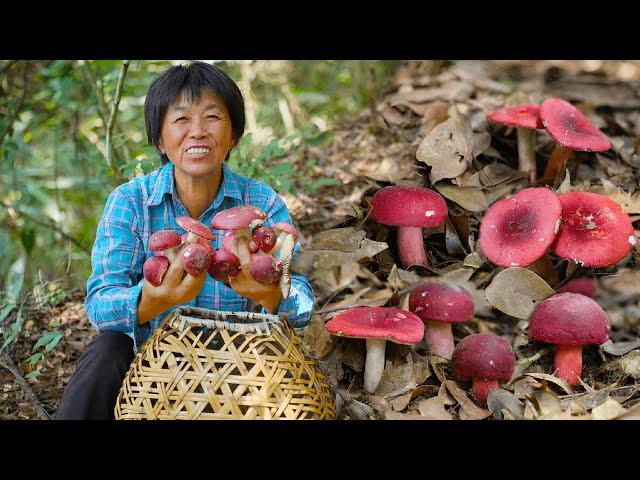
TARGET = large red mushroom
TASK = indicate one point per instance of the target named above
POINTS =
(570, 321)
(377, 325)
(410, 209)
(487, 359)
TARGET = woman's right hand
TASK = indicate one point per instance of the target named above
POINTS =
(174, 290)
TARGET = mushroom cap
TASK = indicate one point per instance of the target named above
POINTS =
(570, 127)
(195, 259)
(569, 319)
(585, 286)
(483, 355)
(163, 239)
(265, 269)
(264, 237)
(441, 302)
(404, 206)
(236, 218)
(284, 227)
(154, 269)
(517, 231)
(393, 324)
(595, 230)
(521, 116)
(223, 263)
(194, 226)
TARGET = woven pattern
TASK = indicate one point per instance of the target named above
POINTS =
(206, 364)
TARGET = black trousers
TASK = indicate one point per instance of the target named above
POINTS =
(93, 388)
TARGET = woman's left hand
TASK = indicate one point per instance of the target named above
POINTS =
(269, 296)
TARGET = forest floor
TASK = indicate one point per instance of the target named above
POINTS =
(353, 261)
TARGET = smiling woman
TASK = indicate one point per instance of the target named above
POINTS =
(194, 117)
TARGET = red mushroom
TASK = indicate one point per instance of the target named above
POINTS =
(195, 228)
(525, 118)
(154, 269)
(410, 209)
(242, 220)
(572, 130)
(487, 359)
(165, 243)
(196, 259)
(199, 240)
(440, 305)
(595, 231)
(584, 286)
(265, 269)
(570, 321)
(231, 237)
(377, 325)
(517, 231)
(223, 265)
(264, 238)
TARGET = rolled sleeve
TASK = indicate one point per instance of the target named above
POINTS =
(114, 287)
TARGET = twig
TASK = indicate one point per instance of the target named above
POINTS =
(114, 110)
(7, 362)
(18, 107)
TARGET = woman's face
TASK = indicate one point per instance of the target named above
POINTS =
(196, 135)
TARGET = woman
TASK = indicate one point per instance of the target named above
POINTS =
(194, 117)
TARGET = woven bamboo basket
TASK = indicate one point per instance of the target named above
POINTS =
(207, 364)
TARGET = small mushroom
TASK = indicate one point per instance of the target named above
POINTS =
(264, 238)
(223, 264)
(242, 220)
(410, 209)
(570, 321)
(595, 230)
(525, 118)
(377, 325)
(265, 269)
(154, 269)
(196, 259)
(195, 228)
(487, 359)
(439, 305)
(165, 243)
(572, 130)
(517, 231)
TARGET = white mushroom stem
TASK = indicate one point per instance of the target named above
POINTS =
(191, 238)
(374, 364)
(170, 253)
(285, 255)
(439, 338)
(527, 152)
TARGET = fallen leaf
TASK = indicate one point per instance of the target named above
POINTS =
(565, 186)
(608, 410)
(468, 409)
(412, 371)
(516, 291)
(433, 409)
(553, 379)
(473, 260)
(317, 338)
(469, 198)
(620, 348)
(448, 148)
(353, 356)
(630, 364)
(496, 173)
(632, 414)
(500, 400)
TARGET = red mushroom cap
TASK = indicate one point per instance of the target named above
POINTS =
(521, 116)
(441, 302)
(236, 218)
(585, 286)
(595, 231)
(517, 231)
(195, 259)
(194, 226)
(570, 127)
(569, 319)
(223, 263)
(154, 269)
(483, 355)
(264, 237)
(387, 323)
(265, 269)
(163, 239)
(404, 206)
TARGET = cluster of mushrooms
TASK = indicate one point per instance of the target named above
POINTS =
(271, 248)
(584, 228)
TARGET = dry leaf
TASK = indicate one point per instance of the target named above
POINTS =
(406, 374)
(630, 364)
(400, 402)
(516, 291)
(473, 260)
(500, 400)
(433, 409)
(632, 414)
(608, 410)
(553, 379)
(565, 186)
(448, 148)
(468, 409)
(620, 348)
(317, 339)
(469, 198)
(353, 356)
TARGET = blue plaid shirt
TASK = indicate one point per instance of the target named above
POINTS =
(150, 203)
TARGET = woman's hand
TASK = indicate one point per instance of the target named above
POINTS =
(174, 290)
(268, 296)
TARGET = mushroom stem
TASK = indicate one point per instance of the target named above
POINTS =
(411, 247)
(191, 238)
(374, 364)
(556, 164)
(527, 152)
(482, 387)
(170, 253)
(567, 363)
(439, 338)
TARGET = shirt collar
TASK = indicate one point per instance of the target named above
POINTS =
(164, 184)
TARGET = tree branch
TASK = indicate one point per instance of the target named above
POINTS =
(7, 362)
(114, 108)
(18, 107)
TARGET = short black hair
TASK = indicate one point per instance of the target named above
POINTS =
(190, 80)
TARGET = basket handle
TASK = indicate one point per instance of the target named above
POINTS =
(261, 327)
